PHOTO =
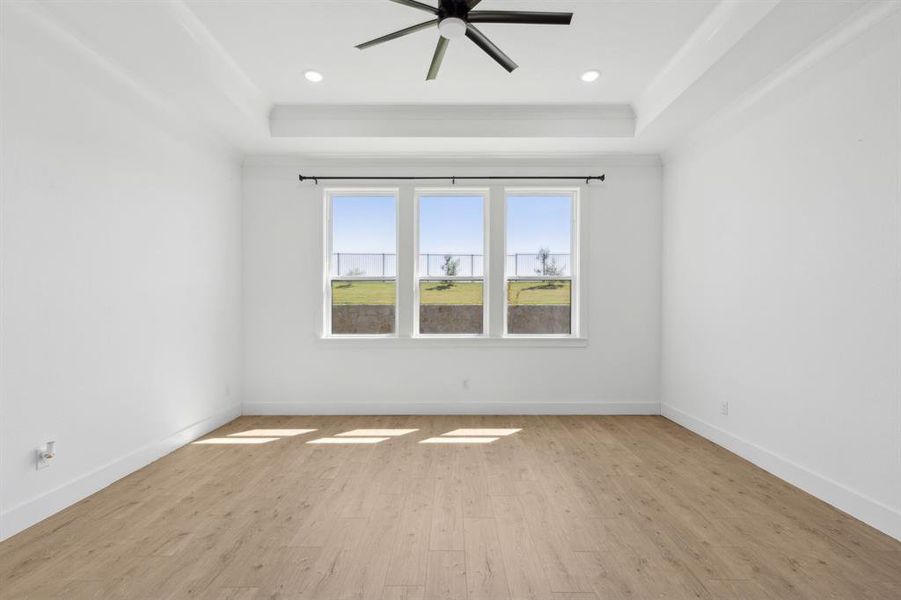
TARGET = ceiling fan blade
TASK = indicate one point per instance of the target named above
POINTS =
(472, 3)
(419, 5)
(397, 34)
(440, 49)
(490, 49)
(517, 16)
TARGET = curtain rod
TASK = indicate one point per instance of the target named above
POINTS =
(454, 178)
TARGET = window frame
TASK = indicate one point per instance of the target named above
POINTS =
(485, 193)
(327, 235)
(406, 315)
(574, 261)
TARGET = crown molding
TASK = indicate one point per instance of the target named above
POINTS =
(37, 25)
(226, 108)
(728, 23)
(472, 161)
(231, 80)
(452, 121)
(872, 15)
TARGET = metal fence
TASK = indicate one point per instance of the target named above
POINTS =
(538, 265)
(363, 265)
(456, 265)
(461, 265)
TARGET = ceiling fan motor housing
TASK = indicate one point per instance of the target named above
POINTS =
(452, 19)
(453, 9)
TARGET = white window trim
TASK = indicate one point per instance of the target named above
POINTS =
(494, 288)
(574, 277)
(485, 193)
(327, 196)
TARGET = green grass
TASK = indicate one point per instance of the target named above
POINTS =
(521, 293)
(460, 292)
(363, 292)
(456, 292)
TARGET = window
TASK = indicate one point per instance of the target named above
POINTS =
(426, 265)
(361, 286)
(450, 265)
(539, 263)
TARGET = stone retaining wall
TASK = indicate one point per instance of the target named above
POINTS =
(546, 318)
(450, 318)
(362, 319)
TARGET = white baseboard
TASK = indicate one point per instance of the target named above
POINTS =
(25, 515)
(868, 510)
(468, 407)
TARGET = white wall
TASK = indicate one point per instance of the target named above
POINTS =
(120, 288)
(287, 369)
(122, 264)
(782, 240)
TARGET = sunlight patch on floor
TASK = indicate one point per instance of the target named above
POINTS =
(459, 440)
(237, 440)
(482, 431)
(376, 432)
(271, 432)
(349, 440)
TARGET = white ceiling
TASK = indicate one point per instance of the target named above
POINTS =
(274, 42)
(234, 68)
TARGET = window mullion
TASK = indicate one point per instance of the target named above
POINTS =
(406, 261)
(494, 228)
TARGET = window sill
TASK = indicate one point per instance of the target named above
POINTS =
(518, 341)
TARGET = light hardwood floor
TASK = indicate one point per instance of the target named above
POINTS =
(569, 508)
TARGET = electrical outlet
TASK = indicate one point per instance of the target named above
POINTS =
(45, 455)
(724, 408)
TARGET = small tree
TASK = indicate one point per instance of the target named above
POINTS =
(450, 267)
(547, 265)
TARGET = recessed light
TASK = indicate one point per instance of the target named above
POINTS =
(314, 76)
(589, 76)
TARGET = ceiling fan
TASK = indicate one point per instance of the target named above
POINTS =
(455, 18)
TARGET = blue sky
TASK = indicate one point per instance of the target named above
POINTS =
(454, 225)
(535, 222)
(363, 224)
(451, 225)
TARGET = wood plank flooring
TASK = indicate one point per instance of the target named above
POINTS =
(568, 508)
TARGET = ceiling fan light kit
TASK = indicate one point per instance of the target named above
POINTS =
(455, 19)
(452, 28)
